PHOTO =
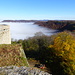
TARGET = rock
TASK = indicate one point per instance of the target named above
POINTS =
(14, 70)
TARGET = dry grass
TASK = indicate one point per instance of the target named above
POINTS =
(12, 55)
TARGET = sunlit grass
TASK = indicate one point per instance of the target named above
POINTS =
(12, 55)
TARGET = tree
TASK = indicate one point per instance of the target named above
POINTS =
(63, 47)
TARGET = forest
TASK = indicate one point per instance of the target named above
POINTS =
(59, 25)
(57, 52)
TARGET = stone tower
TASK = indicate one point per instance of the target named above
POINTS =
(5, 37)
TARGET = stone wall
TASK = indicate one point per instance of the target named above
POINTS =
(5, 37)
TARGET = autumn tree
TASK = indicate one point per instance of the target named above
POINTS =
(63, 48)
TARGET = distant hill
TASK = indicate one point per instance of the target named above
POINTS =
(22, 20)
(19, 20)
(59, 25)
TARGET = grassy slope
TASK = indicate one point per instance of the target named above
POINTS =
(12, 55)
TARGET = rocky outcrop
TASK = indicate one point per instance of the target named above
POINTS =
(14, 70)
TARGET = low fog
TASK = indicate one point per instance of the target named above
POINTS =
(26, 30)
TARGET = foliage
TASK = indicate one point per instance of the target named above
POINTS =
(56, 51)
(63, 49)
(33, 46)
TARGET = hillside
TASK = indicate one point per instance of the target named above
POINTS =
(59, 25)
(12, 55)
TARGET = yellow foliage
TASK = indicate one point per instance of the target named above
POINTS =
(64, 47)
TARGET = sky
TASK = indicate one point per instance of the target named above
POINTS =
(37, 9)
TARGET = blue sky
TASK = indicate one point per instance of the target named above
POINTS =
(37, 9)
